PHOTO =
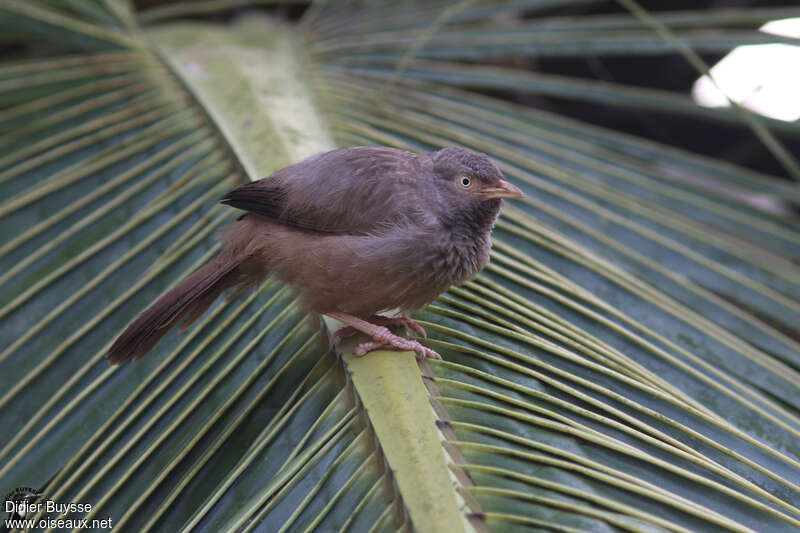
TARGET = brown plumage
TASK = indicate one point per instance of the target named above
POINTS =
(357, 232)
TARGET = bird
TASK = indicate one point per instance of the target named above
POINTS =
(365, 234)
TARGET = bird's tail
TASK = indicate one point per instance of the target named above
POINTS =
(190, 299)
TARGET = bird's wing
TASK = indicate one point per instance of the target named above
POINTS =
(354, 190)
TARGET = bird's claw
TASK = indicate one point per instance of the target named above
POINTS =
(413, 326)
(381, 335)
(397, 343)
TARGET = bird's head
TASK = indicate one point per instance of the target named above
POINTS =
(470, 187)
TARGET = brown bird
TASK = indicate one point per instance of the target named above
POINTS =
(357, 231)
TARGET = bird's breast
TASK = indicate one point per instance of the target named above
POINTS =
(459, 259)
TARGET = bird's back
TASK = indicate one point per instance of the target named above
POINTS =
(354, 191)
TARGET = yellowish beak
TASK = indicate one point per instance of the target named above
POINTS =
(503, 189)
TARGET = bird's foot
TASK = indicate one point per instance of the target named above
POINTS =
(342, 333)
(399, 344)
(382, 336)
(399, 321)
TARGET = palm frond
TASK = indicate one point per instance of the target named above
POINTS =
(630, 359)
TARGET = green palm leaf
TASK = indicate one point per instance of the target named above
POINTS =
(629, 361)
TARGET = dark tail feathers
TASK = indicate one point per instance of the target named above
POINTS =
(190, 298)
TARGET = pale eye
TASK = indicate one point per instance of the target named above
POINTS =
(465, 182)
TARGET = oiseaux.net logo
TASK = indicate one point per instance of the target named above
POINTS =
(25, 506)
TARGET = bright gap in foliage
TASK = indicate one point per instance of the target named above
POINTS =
(764, 77)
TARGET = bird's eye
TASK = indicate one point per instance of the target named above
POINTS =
(465, 182)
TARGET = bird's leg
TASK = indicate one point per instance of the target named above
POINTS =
(381, 336)
(399, 321)
(406, 322)
(342, 333)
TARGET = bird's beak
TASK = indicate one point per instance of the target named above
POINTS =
(503, 189)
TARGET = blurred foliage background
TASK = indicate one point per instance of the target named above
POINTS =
(629, 361)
